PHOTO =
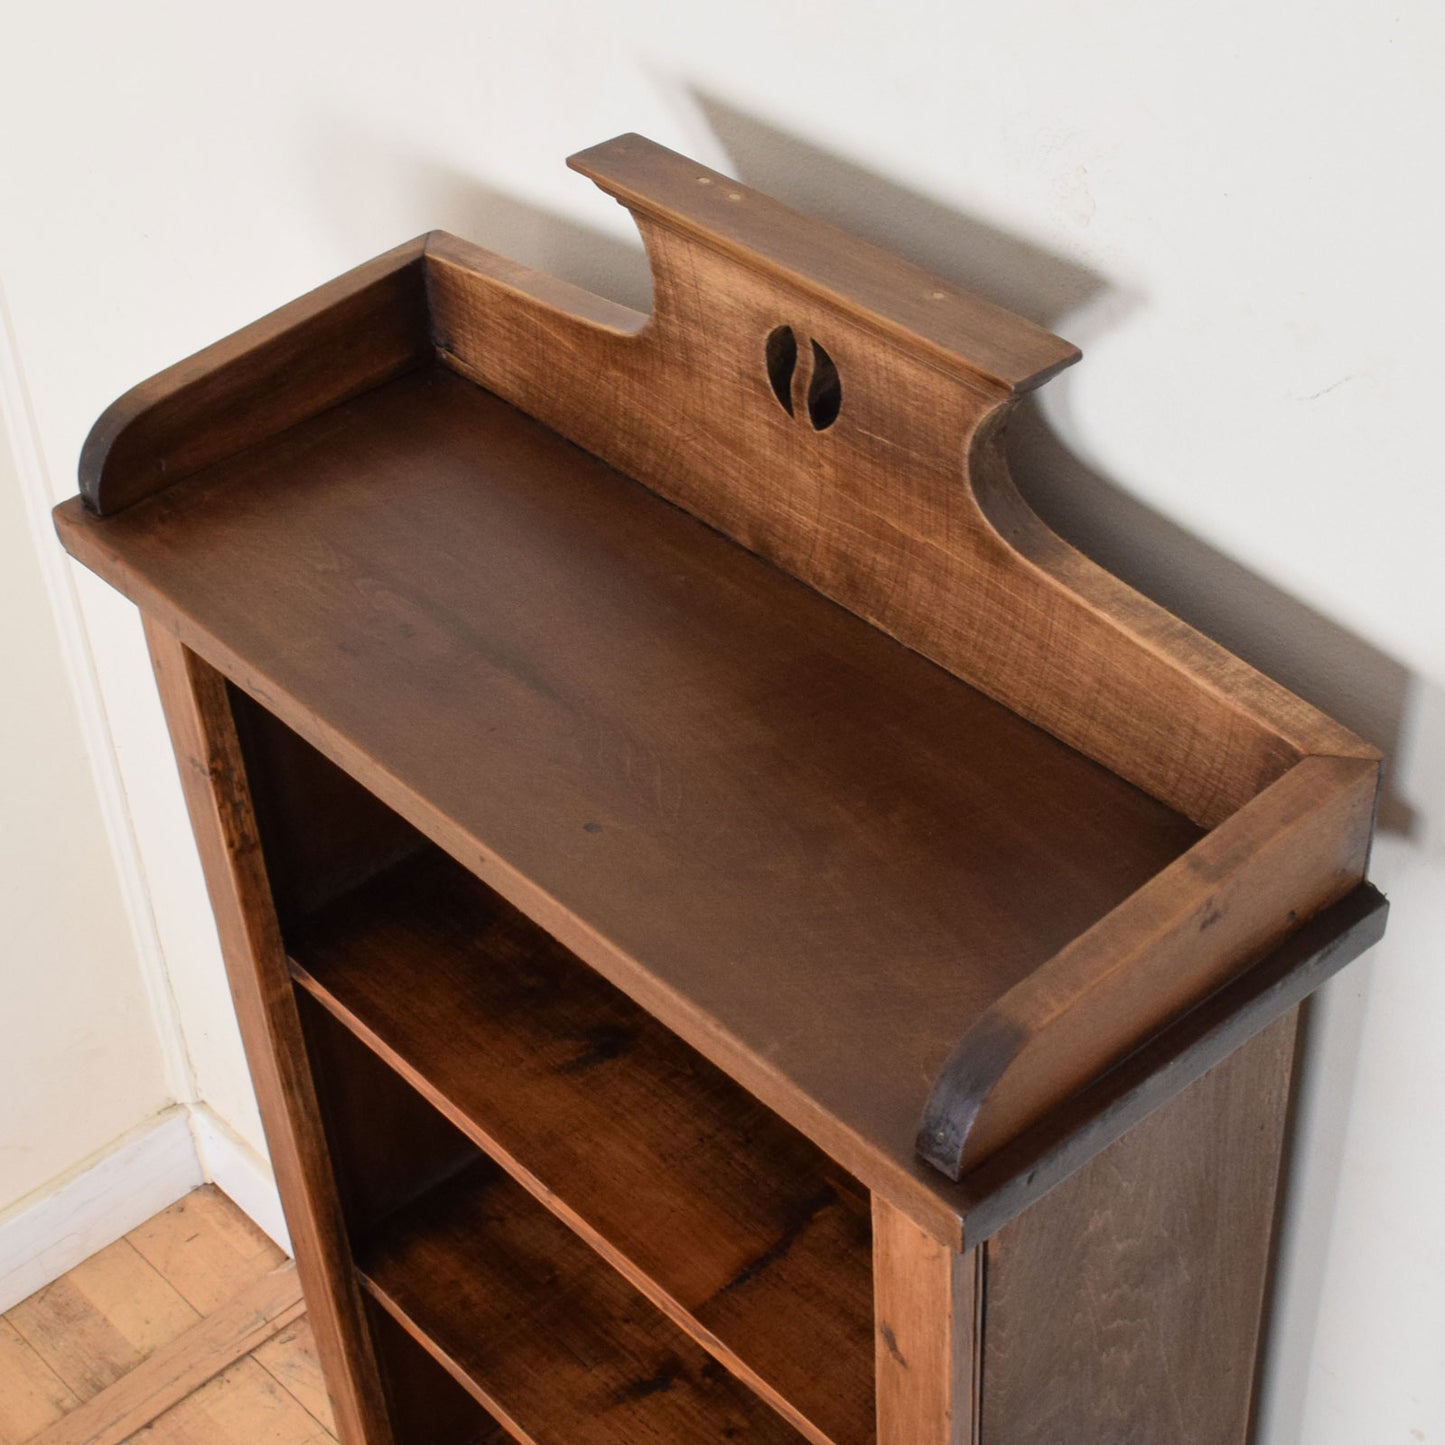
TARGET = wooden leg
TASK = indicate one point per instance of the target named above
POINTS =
(926, 1301)
(203, 732)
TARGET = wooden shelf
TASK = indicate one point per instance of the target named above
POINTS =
(734, 1224)
(554, 1343)
(759, 904)
(812, 853)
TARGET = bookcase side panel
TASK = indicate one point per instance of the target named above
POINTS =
(1125, 1307)
(208, 754)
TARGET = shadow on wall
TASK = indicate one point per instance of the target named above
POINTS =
(407, 189)
(1313, 656)
(1290, 642)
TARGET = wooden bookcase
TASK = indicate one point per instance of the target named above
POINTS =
(739, 933)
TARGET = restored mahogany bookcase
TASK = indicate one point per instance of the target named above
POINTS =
(740, 933)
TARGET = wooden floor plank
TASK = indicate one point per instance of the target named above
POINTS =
(205, 1248)
(291, 1360)
(101, 1320)
(184, 1365)
(190, 1329)
(32, 1395)
(242, 1406)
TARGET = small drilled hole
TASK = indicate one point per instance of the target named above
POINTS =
(825, 391)
(782, 361)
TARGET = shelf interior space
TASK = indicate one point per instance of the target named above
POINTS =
(425, 1405)
(538, 1328)
(718, 1210)
(556, 1344)
(729, 1220)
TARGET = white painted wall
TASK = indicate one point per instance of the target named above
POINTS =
(1233, 207)
(81, 1062)
(100, 1122)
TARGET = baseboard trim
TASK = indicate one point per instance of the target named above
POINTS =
(239, 1172)
(142, 1173)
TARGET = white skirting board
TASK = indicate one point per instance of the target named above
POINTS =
(239, 1172)
(142, 1173)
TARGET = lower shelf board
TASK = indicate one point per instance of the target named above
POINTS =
(545, 1335)
(726, 1217)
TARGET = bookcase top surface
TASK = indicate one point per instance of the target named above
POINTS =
(719, 640)
(817, 855)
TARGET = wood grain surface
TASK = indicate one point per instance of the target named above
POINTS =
(798, 843)
(896, 504)
(291, 1358)
(1297, 848)
(742, 1231)
(387, 1145)
(929, 1304)
(339, 340)
(1124, 1308)
(205, 1249)
(146, 1340)
(32, 1394)
(554, 1342)
(718, 651)
(428, 1406)
(183, 1365)
(213, 778)
(100, 1320)
(241, 1406)
(1020, 1174)
(903, 304)
(903, 509)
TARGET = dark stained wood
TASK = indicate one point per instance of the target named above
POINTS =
(929, 1298)
(555, 1344)
(743, 1231)
(208, 753)
(387, 1145)
(1298, 847)
(1021, 1174)
(732, 1222)
(902, 510)
(322, 831)
(814, 742)
(911, 479)
(794, 841)
(1124, 1307)
(904, 304)
(427, 1406)
(341, 339)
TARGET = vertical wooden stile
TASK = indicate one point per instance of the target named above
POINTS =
(208, 753)
(927, 1299)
